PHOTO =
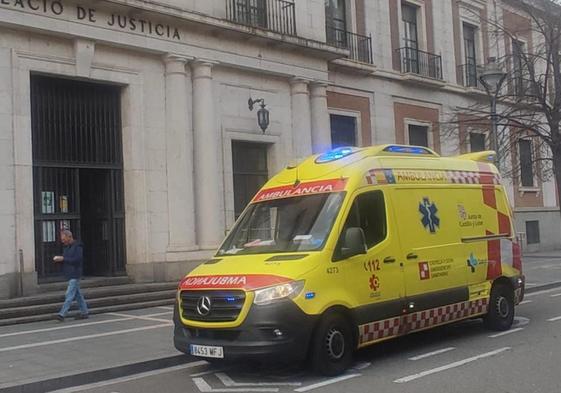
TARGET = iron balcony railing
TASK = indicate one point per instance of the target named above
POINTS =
(416, 61)
(360, 46)
(274, 15)
(469, 75)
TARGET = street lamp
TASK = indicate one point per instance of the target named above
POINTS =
(262, 113)
(492, 77)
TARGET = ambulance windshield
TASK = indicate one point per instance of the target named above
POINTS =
(284, 225)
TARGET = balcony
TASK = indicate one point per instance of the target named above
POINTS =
(359, 46)
(469, 77)
(415, 61)
(275, 15)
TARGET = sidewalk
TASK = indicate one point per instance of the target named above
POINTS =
(43, 356)
(542, 269)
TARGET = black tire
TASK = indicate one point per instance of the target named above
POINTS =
(332, 345)
(501, 308)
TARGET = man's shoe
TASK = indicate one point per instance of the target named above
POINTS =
(82, 316)
(60, 318)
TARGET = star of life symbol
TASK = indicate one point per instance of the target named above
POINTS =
(472, 262)
(374, 282)
(429, 220)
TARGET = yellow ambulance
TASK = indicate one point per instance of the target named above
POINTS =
(353, 247)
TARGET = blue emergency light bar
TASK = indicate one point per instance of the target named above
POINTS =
(335, 154)
(408, 150)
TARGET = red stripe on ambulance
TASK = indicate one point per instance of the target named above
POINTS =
(235, 281)
(306, 188)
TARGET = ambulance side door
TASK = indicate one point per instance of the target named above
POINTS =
(435, 267)
(374, 281)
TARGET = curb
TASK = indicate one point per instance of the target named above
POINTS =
(69, 381)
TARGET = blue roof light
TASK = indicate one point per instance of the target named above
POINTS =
(335, 154)
(407, 149)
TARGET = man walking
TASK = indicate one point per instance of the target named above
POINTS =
(72, 259)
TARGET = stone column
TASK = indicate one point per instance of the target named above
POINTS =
(321, 127)
(179, 156)
(301, 121)
(208, 166)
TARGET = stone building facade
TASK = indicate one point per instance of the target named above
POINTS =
(128, 121)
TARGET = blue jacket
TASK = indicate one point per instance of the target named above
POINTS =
(73, 260)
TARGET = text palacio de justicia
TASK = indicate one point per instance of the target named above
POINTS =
(90, 15)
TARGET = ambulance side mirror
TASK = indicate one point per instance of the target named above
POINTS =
(354, 243)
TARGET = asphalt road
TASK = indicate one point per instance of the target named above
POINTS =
(458, 358)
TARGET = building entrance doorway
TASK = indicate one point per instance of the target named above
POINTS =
(100, 223)
(77, 173)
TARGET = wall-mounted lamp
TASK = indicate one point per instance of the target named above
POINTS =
(262, 113)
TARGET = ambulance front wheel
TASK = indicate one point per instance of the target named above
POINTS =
(332, 345)
(501, 308)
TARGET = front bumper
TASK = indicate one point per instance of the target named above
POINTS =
(257, 337)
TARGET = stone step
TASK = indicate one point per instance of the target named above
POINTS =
(89, 293)
(93, 311)
(93, 303)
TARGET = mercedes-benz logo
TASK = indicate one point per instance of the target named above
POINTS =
(203, 305)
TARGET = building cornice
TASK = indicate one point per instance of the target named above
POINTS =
(218, 26)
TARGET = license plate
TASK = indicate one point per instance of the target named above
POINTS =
(206, 351)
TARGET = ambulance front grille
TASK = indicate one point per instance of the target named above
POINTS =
(212, 306)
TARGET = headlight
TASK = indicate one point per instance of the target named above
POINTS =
(269, 295)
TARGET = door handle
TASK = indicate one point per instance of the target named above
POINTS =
(389, 260)
(412, 255)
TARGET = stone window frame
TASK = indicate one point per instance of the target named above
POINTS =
(478, 40)
(526, 222)
(464, 19)
(512, 70)
(535, 188)
(275, 150)
(474, 130)
(25, 63)
(350, 113)
(414, 122)
(421, 24)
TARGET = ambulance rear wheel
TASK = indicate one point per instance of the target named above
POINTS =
(501, 309)
(332, 351)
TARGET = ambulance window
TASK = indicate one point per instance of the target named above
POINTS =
(369, 213)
